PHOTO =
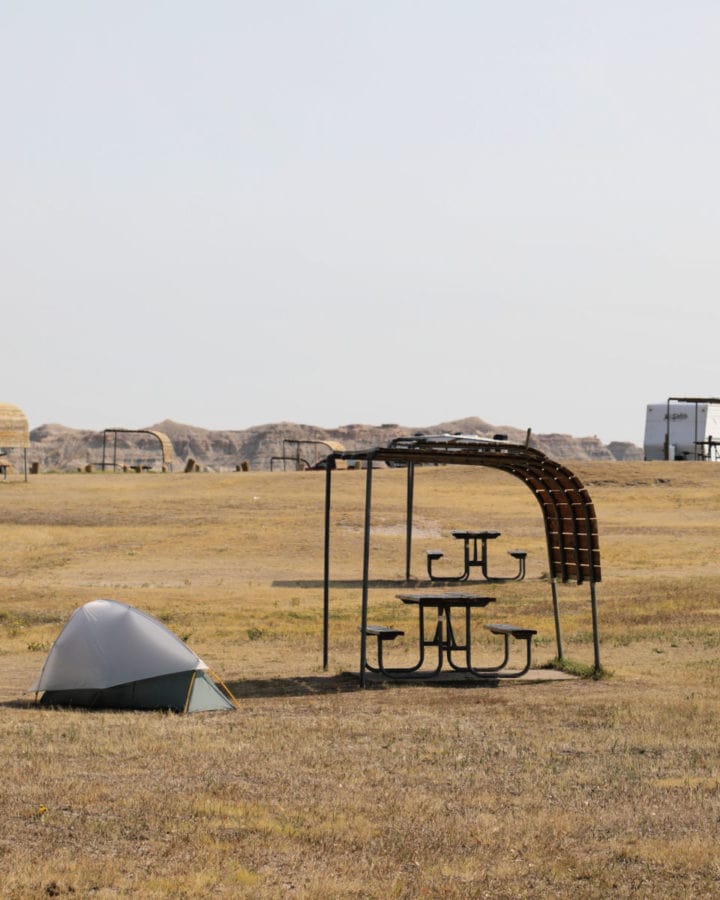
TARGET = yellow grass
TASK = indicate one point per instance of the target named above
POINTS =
(313, 788)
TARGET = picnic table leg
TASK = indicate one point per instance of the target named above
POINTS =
(452, 643)
(466, 554)
(489, 670)
(397, 672)
(438, 639)
(478, 671)
(520, 556)
(484, 563)
(528, 661)
(412, 671)
(434, 555)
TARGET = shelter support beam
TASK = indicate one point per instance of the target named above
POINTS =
(556, 614)
(409, 518)
(596, 639)
(326, 565)
(366, 569)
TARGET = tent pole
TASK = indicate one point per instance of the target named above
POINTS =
(366, 569)
(222, 684)
(326, 563)
(409, 518)
(189, 692)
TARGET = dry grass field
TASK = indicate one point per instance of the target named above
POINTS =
(315, 789)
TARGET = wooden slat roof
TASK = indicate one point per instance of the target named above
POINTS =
(569, 515)
(13, 427)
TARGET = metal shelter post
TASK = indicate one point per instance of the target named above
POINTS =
(596, 639)
(556, 614)
(326, 564)
(409, 518)
(366, 569)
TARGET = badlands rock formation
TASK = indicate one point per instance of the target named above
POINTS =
(57, 448)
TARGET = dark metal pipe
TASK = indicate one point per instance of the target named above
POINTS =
(409, 518)
(366, 569)
(326, 564)
(556, 614)
(596, 639)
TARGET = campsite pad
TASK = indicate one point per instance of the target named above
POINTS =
(347, 682)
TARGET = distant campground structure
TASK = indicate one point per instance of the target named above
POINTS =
(57, 448)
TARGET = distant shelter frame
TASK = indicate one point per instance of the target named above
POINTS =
(700, 445)
(166, 447)
(292, 449)
(14, 435)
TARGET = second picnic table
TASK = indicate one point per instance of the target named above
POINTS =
(474, 556)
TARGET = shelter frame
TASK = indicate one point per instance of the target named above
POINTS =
(292, 447)
(14, 435)
(699, 445)
(568, 513)
(166, 448)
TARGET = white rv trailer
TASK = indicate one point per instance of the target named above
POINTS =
(683, 428)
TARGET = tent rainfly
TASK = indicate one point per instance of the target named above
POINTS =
(111, 655)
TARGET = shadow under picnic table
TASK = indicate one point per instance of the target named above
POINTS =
(346, 682)
(316, 583)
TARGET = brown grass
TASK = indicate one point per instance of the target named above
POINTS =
(313, 788)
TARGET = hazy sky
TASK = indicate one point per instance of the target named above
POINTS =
(229, 213)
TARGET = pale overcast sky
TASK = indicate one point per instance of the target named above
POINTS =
(230, 213)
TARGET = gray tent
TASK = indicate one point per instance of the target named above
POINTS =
(111, 655)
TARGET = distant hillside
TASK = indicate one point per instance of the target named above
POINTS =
(55, 447)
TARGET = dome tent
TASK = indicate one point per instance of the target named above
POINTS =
(112, 655)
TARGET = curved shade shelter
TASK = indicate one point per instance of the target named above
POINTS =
(297, 453)
(14, 431)
(568, 513)
(166, 447)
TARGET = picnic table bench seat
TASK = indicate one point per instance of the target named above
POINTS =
(382, 633)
